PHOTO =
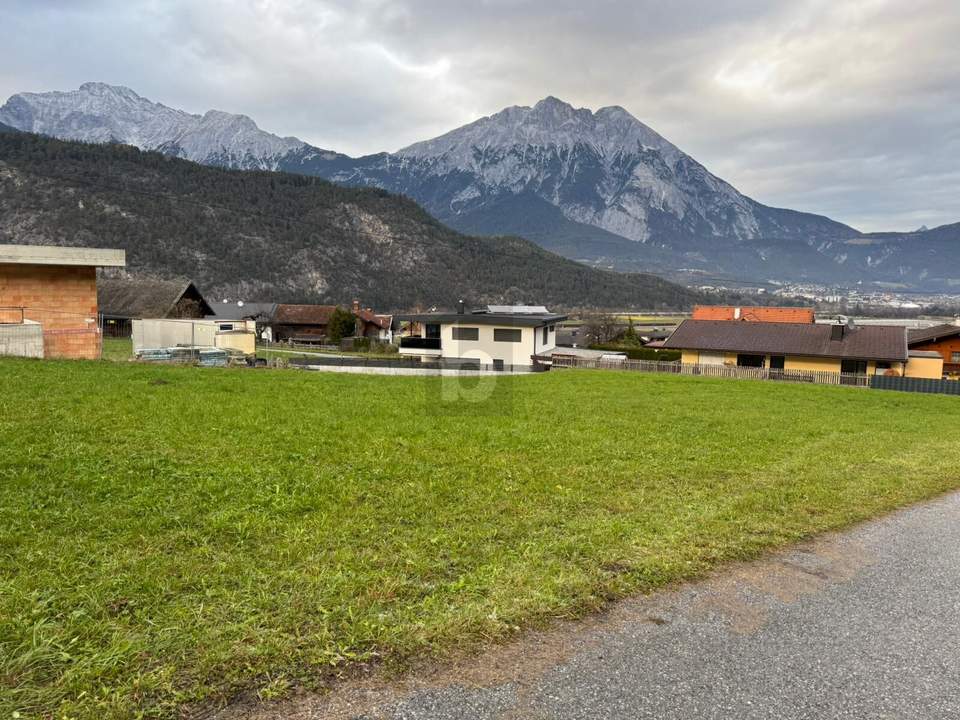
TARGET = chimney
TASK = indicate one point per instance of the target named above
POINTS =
(461, 308)
(836, 331)
(356, 306)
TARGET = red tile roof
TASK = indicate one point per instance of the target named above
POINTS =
(368, 316)
(753, 314)
(867, 342)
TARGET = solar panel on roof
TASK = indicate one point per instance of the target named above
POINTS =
(518, 309)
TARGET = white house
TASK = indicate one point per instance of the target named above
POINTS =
(500, 335)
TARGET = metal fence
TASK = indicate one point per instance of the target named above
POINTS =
(817, 377)
(297, 347)
(62, 334)
(920, 385)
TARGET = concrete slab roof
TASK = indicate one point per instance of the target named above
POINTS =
(57, 255)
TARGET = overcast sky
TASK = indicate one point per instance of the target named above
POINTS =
(850, 108)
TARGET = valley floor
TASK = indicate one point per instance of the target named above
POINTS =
(172, 536)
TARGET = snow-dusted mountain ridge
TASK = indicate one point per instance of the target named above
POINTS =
(98, 112)
(601, 187)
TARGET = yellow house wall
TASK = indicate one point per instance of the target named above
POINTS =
(931, 368)
(811, 364)
(808, 364)
(245, 342)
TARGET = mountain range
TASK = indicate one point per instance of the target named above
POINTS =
(599, 187)
(282, 237)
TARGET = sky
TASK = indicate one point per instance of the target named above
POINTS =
(848, 108)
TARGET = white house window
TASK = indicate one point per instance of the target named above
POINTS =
(507, 335)
(466, 333)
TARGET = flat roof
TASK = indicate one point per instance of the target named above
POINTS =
(59, 255)
(485, 318)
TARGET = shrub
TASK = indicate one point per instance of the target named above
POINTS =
(640, 353)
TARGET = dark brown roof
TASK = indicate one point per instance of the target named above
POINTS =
(486, 318)
(303, 314)
(923, 335)
(143, 298)
(867, 342)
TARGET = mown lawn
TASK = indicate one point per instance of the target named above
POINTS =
(171, 535)
(116, 349)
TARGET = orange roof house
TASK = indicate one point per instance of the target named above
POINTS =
(754, 314)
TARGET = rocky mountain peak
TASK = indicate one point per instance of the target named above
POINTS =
(99, 112)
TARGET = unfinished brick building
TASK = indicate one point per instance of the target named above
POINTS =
(57, 288)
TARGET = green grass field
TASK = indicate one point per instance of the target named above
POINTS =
(116, 349)
(171, 535)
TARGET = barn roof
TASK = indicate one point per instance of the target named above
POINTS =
(303, 314)
(144, 298)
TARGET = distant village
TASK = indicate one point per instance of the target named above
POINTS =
(53, 305)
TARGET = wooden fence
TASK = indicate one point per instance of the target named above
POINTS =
(818, 377)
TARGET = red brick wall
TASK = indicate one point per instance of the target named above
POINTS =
(62, 299)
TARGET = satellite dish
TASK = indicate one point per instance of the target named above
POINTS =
(239, 303)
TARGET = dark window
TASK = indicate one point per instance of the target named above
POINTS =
(777, 362)
(955, 357)
(546, 336)
(553, 328)
(749, 360)
(883, 365)
(853, 367)
(432, 331)
(506, 335)
(226, 327)
(464, 333)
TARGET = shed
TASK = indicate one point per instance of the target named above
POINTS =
(123, 300)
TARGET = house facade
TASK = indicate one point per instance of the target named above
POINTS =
(833, 348)
(55, 288)
(372, 325)
(500, 335)
(310, 323)
(941, 339)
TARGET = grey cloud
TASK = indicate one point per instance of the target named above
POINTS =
(848, 108)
